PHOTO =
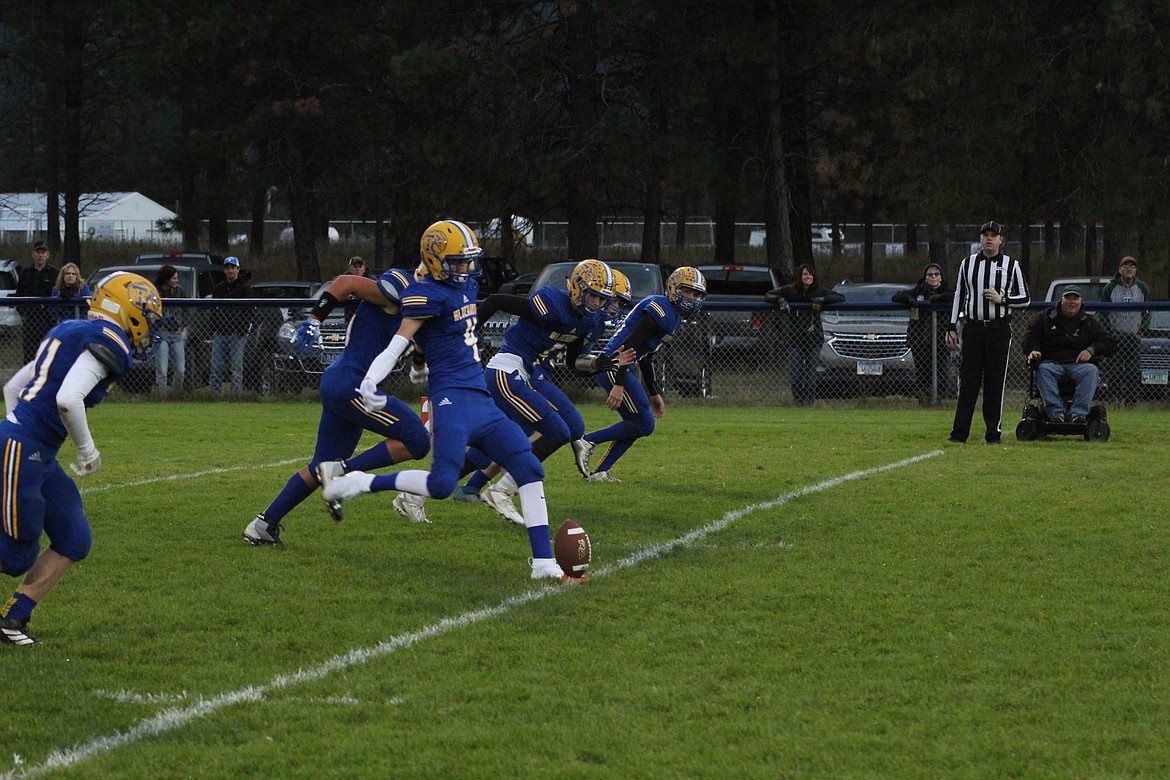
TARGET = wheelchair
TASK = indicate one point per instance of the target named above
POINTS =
(1035, 423)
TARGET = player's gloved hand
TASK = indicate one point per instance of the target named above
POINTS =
(605, 363)
(372, 399)
(87, 464)
(305, 338)
(419, 374)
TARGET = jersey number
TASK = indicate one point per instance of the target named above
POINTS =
(44, 361)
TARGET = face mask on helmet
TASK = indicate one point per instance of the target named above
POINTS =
(450, 252)
(686, 278)
(133, 304)
(621, 293)
(590, 277)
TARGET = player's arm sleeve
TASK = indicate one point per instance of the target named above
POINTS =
(648, 378)
(516, 305)
(13, 386)
(105, 355)
(388, 358)
(82, 378)
(646, 329)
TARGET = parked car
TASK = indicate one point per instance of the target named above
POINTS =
(179, 258)
(521, 285)
(867, 349)
(1091, 287)
(1154, 356)
(742, 332)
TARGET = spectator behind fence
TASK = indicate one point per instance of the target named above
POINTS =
(805, 336)
(173, 330)
(357, 267)
(36, 281)
(232, 326)
(931, 289)
(1065, 340)
(1123, 370)
(73, 293)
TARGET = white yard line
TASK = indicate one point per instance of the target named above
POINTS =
(193, 475)
(176, 717)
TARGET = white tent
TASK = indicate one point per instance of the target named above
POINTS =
(120, 216)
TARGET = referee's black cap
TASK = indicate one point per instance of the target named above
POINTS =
(991, 226)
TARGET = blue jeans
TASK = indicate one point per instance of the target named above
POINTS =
(221, 344)
(1085, 376)
(174, 342)
(802, 373)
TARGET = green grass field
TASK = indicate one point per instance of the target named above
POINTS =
(771, 597)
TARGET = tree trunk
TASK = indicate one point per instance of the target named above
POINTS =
(652, 223)
(71, 249)
(259, 209)
(301, 211)
(777, 205)
(583, 111)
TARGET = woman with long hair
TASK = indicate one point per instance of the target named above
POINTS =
(805, 336)
(173, 330)
(73, 293)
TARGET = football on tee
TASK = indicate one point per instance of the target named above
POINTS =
(572, 549)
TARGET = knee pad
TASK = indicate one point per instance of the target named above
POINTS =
(441, 486)
(17, 557)
(416, 439)
(642, 425)
(76, 544)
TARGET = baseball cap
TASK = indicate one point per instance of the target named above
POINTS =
(38, 246)
(993, 226)
(1127, 260)
(1070, 289)
(233, 260)
(356, 261)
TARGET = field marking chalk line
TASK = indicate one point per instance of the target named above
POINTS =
(174, 718)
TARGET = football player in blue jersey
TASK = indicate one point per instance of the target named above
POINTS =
(46, 401)
(649, 326)
(440, 315)
(552, 321)
(343, 417)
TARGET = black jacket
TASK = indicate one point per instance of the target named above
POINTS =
(923, 295)
(1059, 339)
(804, 325)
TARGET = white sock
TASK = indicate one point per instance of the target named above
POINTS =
(413, 481)
(507, 484)
(532, 505)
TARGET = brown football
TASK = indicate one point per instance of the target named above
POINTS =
(572, 550)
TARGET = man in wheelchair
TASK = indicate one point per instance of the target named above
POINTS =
(1063, 343)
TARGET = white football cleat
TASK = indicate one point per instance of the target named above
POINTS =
(348, 486)
(500, 501)
(546, 568)
(327, 471)
(411, 506)
(582, 451)
(603, 476)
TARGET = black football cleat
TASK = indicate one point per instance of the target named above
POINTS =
(15, 632)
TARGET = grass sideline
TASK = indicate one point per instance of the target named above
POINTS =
(991, 611)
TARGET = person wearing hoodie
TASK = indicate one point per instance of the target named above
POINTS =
(1123, 370)
(931, 290)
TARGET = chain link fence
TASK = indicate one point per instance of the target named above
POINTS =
(730, 354)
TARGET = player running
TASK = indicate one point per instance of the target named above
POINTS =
(343, 417)
(440, 314)
(46, 401)
(649, 326)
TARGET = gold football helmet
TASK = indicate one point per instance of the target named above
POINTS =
(590, 276)
(132, 303)
(447, 242)
(686, 278)
(622, 296)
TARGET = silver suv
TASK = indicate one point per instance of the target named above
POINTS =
(867, 349)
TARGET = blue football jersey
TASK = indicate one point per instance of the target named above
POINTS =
(371, 329)
(557, 324)
(36, 411)
(659, 309)
(448, 337)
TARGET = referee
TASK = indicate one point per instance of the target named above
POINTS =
(989, 285)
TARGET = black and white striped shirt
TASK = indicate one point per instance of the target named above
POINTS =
(977, 273)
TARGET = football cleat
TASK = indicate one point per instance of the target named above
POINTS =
(260, 532)
(466, 494)
(15, 632)
(602, 476)
(546, 568)
(350, 485)
(500, 501)
(410, 506)
(327, 471)
(582, 451)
